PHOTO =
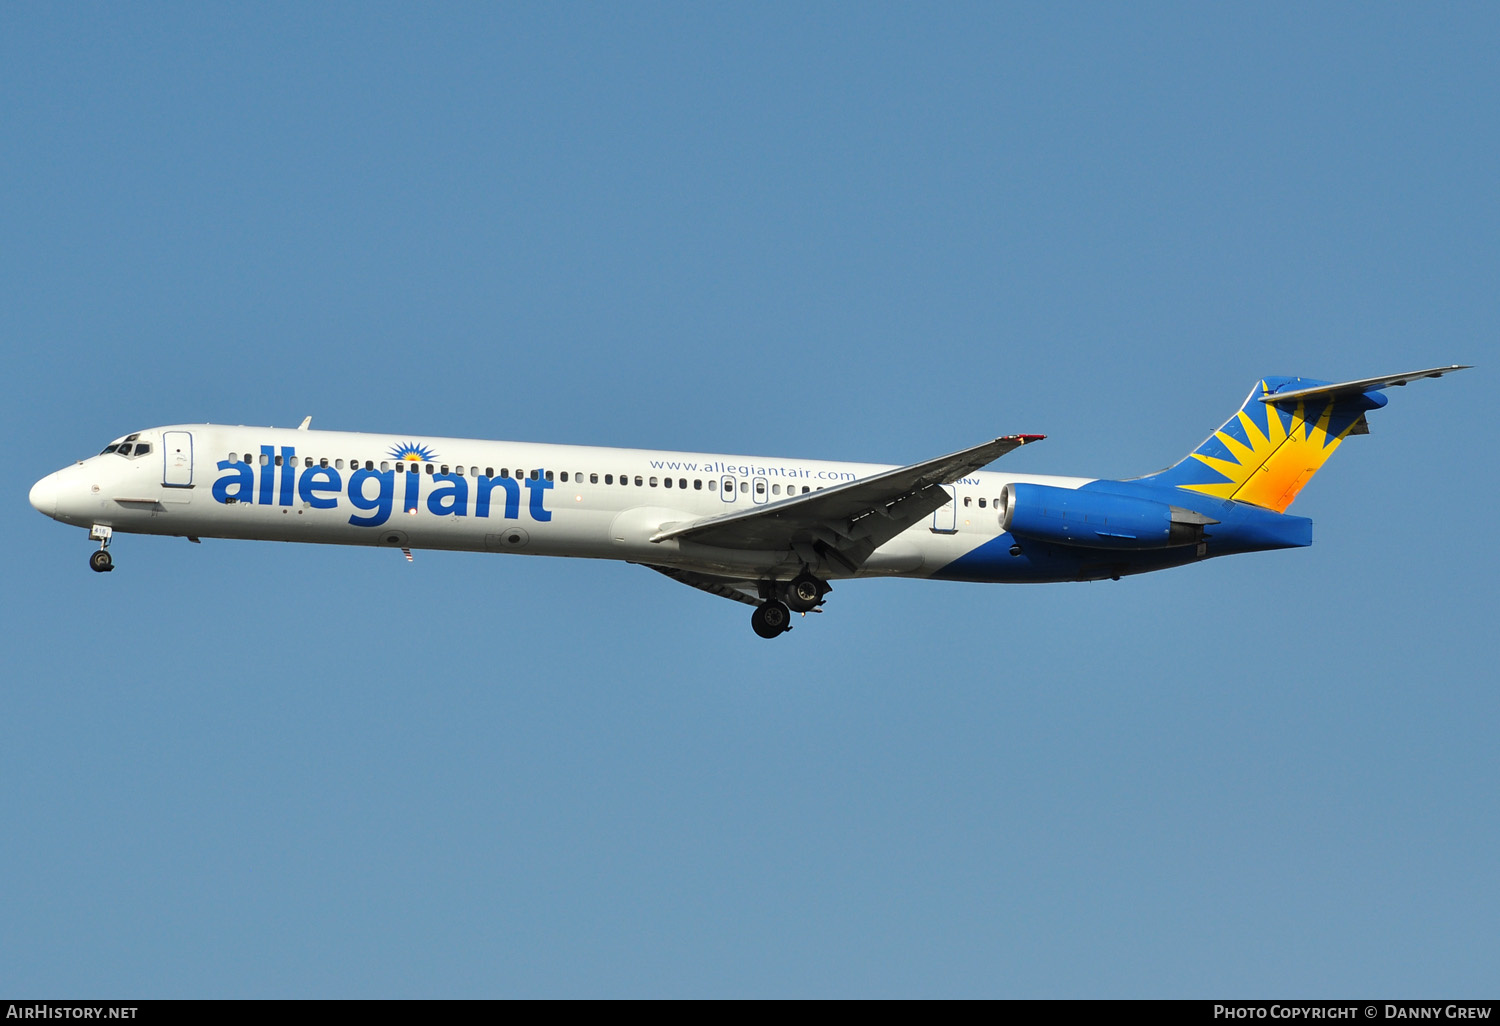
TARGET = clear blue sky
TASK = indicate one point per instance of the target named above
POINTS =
(860, 231)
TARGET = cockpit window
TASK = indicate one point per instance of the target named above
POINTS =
(127, 448)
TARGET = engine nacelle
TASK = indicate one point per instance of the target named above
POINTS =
(1097, 520)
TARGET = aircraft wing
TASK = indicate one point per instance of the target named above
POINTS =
(724, 587)
(846, 522)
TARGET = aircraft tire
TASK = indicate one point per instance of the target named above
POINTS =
(804, 593)
(771, 620)
(101, 561)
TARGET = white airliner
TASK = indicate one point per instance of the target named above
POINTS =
(771, 533)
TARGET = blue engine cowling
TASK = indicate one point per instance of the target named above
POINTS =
(1097, 520)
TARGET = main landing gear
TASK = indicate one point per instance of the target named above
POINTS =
(802, 594)
(771, 620)
(100, 561)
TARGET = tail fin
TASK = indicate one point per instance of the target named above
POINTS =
(1281, 436)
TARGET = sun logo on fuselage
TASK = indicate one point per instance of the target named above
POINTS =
(411, 452)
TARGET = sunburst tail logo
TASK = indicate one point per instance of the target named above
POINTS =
(1267, 452)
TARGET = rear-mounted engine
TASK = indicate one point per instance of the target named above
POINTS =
(1097, 520)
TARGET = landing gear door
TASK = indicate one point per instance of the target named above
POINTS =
(177, 459)
(945, 517)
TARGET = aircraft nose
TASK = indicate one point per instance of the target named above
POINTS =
(44, 495)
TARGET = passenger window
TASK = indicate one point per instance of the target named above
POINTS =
(264, 459)
(563, 477)
(445, 468)
(429, 470)
(744, 486)
(248, 459)
(383, 465)
(713, 486)
(339, 464)
(609, 479)
(489, 471)
(594, 479)
(549, 475)
(967, 500)
(307, 462)
(981, 504)
(653, 482)
(638, 481)
(369, 464)
(760, 488)
(698, 484)
(667, 482)
(682, 482)
(278, 461)
(776, 489)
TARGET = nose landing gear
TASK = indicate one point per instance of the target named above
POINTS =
(100, 561)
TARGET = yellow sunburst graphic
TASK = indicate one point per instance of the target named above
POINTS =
(1271, 469)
